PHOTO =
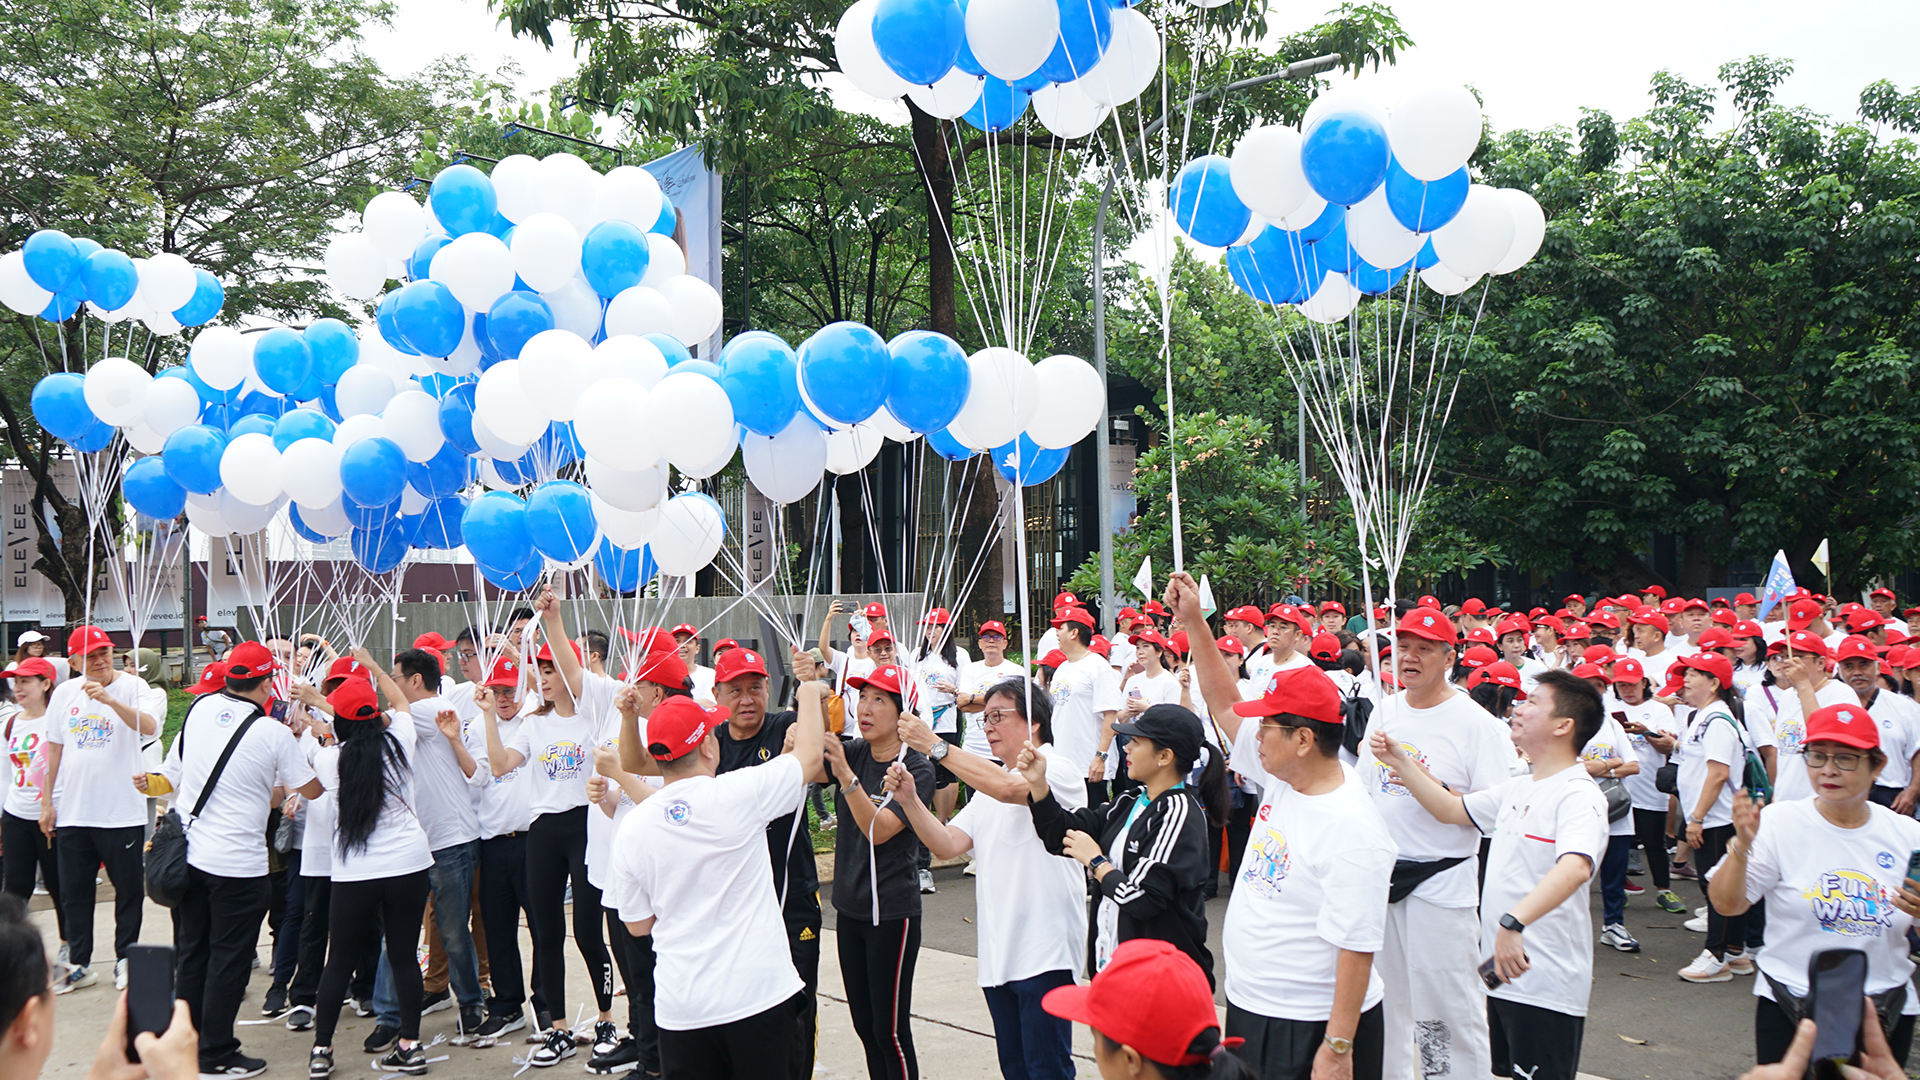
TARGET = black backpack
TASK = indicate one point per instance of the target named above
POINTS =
(1355, 712)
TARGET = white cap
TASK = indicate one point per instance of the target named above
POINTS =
(29, 637)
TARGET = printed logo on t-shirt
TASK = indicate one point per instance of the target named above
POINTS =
(1267, 862)
(225, 717)
(1886, 860)
(1787, 735)
(29, 767)
(1850, 903)
(89, 732)
(1598, 752)
(679, 812)
(1389, 780)
(564, 761)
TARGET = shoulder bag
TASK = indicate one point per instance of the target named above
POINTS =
(166, 870)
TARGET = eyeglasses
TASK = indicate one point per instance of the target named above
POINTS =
(465, 655)
(1844, 762)
(996, 717)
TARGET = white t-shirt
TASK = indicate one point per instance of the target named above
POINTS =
(1031, 906)
(602, 826)
(1049, 641)
(1712, 735)
(1759, 704)
(1161, 689)
(1832, 888)
(1654, 716)
(1611, 741)
(1121, 655)
(1260, 665)
(1533, 824)
(694, 859)
(702, 684)
(398, 844)
(99, 755)
(1313, 882)
(1082, 690)
(446, 808)
(559, 749)
(1747, 676)
(977, 679)
(1899, 719)
(1790, 779)
(1655, 666)
(228, 839)
(1461, 745)
(503, 800)
(938, 704)
(316, 843)
(26, 763)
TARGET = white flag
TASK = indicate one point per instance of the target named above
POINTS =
(1143, 581)
(1206, 596)
(1820, 560)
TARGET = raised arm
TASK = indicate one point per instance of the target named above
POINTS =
(834, 610)
(1216, 678)
(553, 625)
(810, 733)
(634, 758)
(1431, 794)
(388, 688)
(500, 760)
(973, 770)
(945, 841)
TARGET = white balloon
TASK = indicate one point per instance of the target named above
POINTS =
(1334, 300)
(1011, 38)
(570, 188)
(17, 289)
(310, 473)
(691, 419)
(203, 513)
(1308, 213)
(700, 470)
(859, 57)
(413, 423)
(665, 260)
(1377, 236)
(851, 449)
(1004, 396)
(364, 389)
(553, 370)
(412, 502)
(1076, 400)
(1479, 236)
(170, 405)
(604, 424)
(500, 401)
(143, 438)
(546, 251)
(463, 360)
(952, 96)
(490, 476)
(785, 467)
(626, 528)
(162, 324)
(494, 447)
(250, 469)
(476, 266)
(1434, 131)
(1255, 226)
(516, 187)
(116, 390)
(639, 310)
(961, 436)
(1529, 229)
(1343, 100)
(356, 266)
(637, 490)
(355, 428)
(330, 520)
(629, 357)
(1131, 61)
(1446, 282)
(167, 282)
(1266, 171)
(245, 517)
(394, 222)
(109, 317)
(696, 308)
(884, 422)
(630, 194)
(1066, 110)
(575, 307)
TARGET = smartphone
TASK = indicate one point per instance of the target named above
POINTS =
(1489, 976)
(1836, 981)
(149, 992)
(1913, 866)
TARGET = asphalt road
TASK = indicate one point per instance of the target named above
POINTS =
(1644, 1023)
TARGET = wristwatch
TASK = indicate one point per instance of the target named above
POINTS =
(940, 748)
(1338, 1045)
(1508, 922)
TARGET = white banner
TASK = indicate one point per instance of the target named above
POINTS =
(20, 597)
(756, 535)
(695, 191)
(233, 581)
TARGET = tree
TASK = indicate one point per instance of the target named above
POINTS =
(232, 133)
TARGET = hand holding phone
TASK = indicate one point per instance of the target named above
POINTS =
(149, 992)
(1836, 982)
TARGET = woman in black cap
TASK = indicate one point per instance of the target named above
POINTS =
(1147, 851)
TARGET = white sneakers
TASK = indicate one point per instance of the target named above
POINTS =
(120, 974)
(1617, 936)
(1706, 968)
(1697, 924)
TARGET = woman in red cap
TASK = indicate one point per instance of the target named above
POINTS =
(1712, 757)
(1822, 865)
(1152, 1015)
(23, 847)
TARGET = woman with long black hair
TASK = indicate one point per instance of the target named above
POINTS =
(380, 863)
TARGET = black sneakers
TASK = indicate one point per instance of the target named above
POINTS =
(467, 1031)
(436, 1001)
(235, 1066)
(275, 1002)
(496, 1025)
(300, 1018)
(620, 1057)
(557, 1048)
(605, 1036)
(319, 1064)
(411, 1060)
(382, 1039)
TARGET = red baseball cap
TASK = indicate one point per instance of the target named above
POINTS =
(1651, 618)
(1150, 996)
(1801, 613)
(1746, 598)
(737, 662)
(1604, 618)
(1480, 635)
(1719, 602)
(1332, 605)
(1598, 654)
(1247, 613)
(1888, 593)
(677, 727)
(344, 667)
(1717, 638)
(1053, 659)
(652, 639)
(875, 610)
(1301, 691)
(1804, 641)
(212, 677)
(1512, 624)
(1710, 663)
(1151, 637)
(937, 617)
(1693, 602)
(34, 665)
(1473, 606)
(1856, 647)
(1324, 647)
(546, 652)
(1588, 671)
(353, 699)
(879, 636)
(1128, 613)
(1178, 642)
(506, 672)
(1627, 669)
(1065, 599)
(723, 645)
(1654, 590)
(432, 642)
(1227, 643)
(1535, 613)
(251, 660)
(1725, 617)
(1101, 645)
(1425, 622)
(665, 668)
(1479, 656)
(1673, 606)
(1502, 673)
(1430, 602)
(1848, 725)
(886, 677)
(1866, 619)
(685, 628)
(1073, 615)
(992, 626)
(1575, 630)
(86, 639)
(1153, 607)
(1302, 620)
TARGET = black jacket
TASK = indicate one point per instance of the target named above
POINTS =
(1160, 891)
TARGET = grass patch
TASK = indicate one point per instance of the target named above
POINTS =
(177, 702)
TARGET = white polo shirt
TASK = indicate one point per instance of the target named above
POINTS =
(228, 839)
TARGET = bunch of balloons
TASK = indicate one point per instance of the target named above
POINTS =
(54, 275)
(987, 60)
(1349, 203)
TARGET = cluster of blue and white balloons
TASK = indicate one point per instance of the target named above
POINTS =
(54, 275)
(986, 61)
(1349, 203)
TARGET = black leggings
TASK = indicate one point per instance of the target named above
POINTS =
(634, 957)
(26, 847)
(1650, 830)
(876, 966)
(359, 909)
(314, 930)
(557, 852)
(1723, 931)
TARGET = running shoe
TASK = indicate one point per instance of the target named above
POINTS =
(300, 1018)
(1616, 935)
(411, 1060)
(1706, 968)
(1670, 902)
(558, 1047)
(319, 1064)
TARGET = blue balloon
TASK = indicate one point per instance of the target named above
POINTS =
(299, 524)
(389, 329)
(1423, 206)
(192, 458)
(440, 524)
(514, 319)
(1345, 157)
(456, 418)
(220, 417)
(944, 444)
(421, 260)
(1086, 27)
(705, 367)
(251, 423)
(368, 517)
(64, 304)
(1204, 204)
(844, 369)
(671, 348)
(667, 221)
(437, 384)
(85, 248)
(1332, 216)
(1373, 281)
(441, 475)
(111, 279)
(301, 424)
(489, 355)
(1334, 253)
(757, 372)
(920, 39)
(208, 297)
(334, 348)
(262, 403)
(1426, 257)
(463, 200)
(495, 530)
(1001, 106)
(51, 259)
(966, 61)
(614, 257)
(560, 520)
(281, 359)
(380, 550)
(208, 395)
(60, 404)
(1036, 466)
(521, 470)
(517, 580)
(328, 405)
(373, 471)
(1282, 267)
(928, 380)
(624, 570)
(429, 316)
(308, 391)
(94, 439)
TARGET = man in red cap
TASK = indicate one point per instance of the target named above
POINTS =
(1857, 663)
(1576, 605)
(1086, 699)
(96, 725)
(1809, 686)
(1473, 615)
(1883, 601)
(1289, 632)
(860, 660)
(1746, 606)
(1807, 614)
(687, 636)
(1246, 622)
(992, 669)
(687, 873)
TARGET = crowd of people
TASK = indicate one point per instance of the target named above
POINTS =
(1410, 807)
